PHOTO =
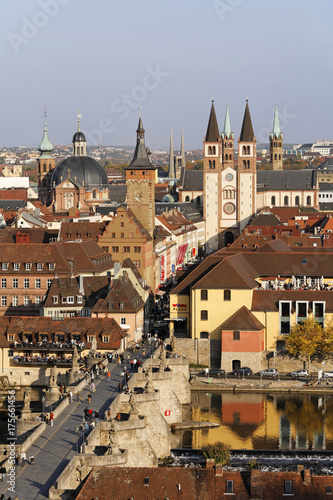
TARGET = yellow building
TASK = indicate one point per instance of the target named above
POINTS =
(245, 303)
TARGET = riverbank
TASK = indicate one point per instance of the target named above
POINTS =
(205, 384)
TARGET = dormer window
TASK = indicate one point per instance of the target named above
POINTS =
(5, 266)
(79, 299)
(28, 266)
(16, 266)
(55, 299)
(51, 266)
(122, 305)
(64, 300)
(39, 266)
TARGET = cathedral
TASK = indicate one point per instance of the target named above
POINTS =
(234, 192)
(77, 182)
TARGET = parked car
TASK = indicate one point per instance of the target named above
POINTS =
(269, 372)
(328, 374)
(300, 373)
(245, 370)
(213, 372)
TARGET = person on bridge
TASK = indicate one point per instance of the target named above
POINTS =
(51, 418)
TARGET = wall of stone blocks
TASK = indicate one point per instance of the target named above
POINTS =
(197, 351)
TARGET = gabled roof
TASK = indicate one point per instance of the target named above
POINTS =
(243, 320)
(268, 300)
(233, 272)
(84, 230)
(122, 298)
(280, 180)
(191, 180)
(266, 219)
(212, 134)
(128, 264)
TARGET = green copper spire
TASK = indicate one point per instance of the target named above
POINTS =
(276, 125)
(227, 128)
(45, 146)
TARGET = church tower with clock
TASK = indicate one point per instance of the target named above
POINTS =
(141, 177)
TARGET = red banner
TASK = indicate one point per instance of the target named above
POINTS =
(162, 269)
(181, 253)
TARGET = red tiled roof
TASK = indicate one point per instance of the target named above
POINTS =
(243, 320)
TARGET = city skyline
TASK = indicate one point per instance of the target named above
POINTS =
(171, 59)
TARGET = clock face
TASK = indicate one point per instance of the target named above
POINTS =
(138, 196)
(229, 208)
(229, 177)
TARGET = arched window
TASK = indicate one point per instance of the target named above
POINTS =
(94, 193)
(210, 164)
(244, 150)
(44, 167)
(78, 150)
(248, 150)
(226, 157)
(275, 156)
(308, 201)
(214, 150)
(209, 150)
(273, 201)
(279, 157)
(248, 164)
(286, 201)
(280, 144)
(213, 164)
(244, 163)
(187, 198)
(297, 200)
(82, 150)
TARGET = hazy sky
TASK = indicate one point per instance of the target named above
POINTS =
(103, 57)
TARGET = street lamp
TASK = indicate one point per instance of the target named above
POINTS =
(83, 430)
(43, 408)
(51, 392)
(77, 433)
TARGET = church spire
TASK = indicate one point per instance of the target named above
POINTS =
(276, 132)
(247, 134)
(140, 158)
(182, 150)
(212, 134)
(227, 128)
(171, 158)
(45, 147)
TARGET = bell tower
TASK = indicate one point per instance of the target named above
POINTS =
(79, 140)
(247, 171)
(212, 181)
(141, 178)
(45, 165)
(276, 143)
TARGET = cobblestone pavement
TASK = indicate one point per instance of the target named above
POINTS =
(57, 445)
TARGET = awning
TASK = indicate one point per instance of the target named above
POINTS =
(174, 319)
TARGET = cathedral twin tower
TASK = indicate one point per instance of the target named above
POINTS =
(229, 191)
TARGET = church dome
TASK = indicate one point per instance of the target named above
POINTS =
(79, 137)
(83, 171)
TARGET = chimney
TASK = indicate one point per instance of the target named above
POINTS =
(307, 477)
(218, 470)
(256, 485)
(81, 287)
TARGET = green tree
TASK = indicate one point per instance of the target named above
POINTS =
(218, 451)
(308, 339)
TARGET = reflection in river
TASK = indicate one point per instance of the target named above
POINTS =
(262, 421)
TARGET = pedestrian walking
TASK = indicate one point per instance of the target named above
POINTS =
(23, 457)
(92, 387)
(51, 418)
(70, 395)
(32, 460)
(89, 399)
(78, 395)
(3, 473)
(109, 375)
(97, 417)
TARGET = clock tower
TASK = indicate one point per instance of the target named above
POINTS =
(141, 177)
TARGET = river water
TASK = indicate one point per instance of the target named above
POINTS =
(257, 421)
